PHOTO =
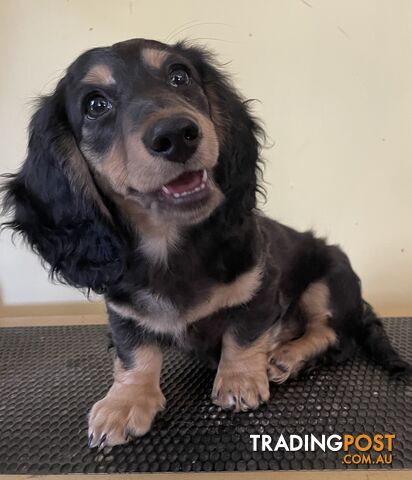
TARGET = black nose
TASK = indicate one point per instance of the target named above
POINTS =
(175, 139)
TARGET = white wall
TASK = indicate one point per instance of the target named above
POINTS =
(334, 81)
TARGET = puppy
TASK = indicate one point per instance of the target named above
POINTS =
(140, 184)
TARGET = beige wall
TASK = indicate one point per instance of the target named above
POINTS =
(334, 81)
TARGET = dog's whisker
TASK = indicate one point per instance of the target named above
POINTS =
(198, 39)
(186, 27)
(166, 40)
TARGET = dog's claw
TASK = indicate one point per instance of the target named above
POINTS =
(90, 443)
(278, 372)
(283, 368)
(241, 393)
(103, 438)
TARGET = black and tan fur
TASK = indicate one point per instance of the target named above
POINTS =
(259, 300)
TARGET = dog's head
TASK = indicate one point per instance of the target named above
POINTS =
(140, 131)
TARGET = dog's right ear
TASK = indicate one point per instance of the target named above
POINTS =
(57, 207)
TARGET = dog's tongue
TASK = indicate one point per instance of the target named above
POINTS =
(185, 182)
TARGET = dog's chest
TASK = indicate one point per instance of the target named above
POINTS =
(167, 313)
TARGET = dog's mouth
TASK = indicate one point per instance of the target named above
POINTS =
(187, 188)
(188, 198)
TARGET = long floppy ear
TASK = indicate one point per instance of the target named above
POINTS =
(56, 206)
(239, 135)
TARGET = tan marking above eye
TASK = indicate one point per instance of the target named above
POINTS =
(154, 57)
(99, 74)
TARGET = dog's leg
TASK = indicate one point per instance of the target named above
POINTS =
(241, 380)
(288, 358)
(132, 402)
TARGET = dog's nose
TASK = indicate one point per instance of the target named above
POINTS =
(174, 139)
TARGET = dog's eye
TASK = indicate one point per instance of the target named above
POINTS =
(97, 105)
(179, 75)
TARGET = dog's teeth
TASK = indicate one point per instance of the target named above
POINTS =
(176, 195)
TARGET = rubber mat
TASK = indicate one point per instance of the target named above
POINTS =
(51, 376)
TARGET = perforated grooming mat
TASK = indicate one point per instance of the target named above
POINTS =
(51, 376)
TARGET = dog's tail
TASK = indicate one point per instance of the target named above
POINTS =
(374, 341)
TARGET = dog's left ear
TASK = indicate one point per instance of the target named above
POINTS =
(57, 207)
(239, 140)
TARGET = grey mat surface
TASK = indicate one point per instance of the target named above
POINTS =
(51, 376)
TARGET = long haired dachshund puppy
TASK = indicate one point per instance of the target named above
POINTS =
(140, 184)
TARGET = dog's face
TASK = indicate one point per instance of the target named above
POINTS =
(143, 122)
(140, 132)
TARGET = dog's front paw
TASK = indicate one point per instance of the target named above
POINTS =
(127, 411)
(240, 391)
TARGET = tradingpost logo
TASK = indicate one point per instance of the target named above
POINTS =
(355, 449)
